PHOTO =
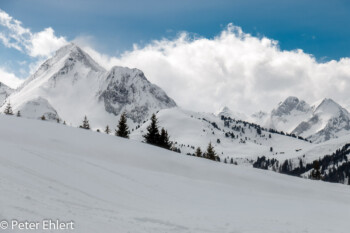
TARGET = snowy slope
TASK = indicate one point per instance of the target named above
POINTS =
(38, 107)
(108, 184)
(74, 85)
(190, 130)
(5, 91)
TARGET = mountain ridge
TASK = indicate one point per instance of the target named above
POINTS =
(318, 122)
(74, 85)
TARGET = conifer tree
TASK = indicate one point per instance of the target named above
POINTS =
(198, 152)
(58, 120)
(43, 118)
(8, 109)
(86, 124)
(164, 139)
(107, 130)
(152, 136)
(64, 122)
(316, 174)
(18, 113)
(210, 152)
(123, 129)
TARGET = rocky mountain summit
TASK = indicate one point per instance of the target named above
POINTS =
(71, 84)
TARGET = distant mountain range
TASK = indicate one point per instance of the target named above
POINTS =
(318, 122)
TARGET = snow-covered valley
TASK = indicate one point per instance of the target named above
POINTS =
(109, 184)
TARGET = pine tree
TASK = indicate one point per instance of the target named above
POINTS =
(199, 152)
(8, 109)
(64, 122)
(43, 118)
(164, 139)
(18, 113)
(152, 136)
(316, 174)
(210, 152)
(123, 129)
(107, 130)
(86, 124)
(58, 120)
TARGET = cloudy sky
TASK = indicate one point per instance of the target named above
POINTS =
(246, 54)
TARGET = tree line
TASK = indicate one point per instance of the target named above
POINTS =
(332, 168)
(154, 135)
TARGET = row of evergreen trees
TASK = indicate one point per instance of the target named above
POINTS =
(8, 111)
(331, 168)
(122, 127)
(154, 136)
(209, 154)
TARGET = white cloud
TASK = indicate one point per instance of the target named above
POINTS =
(236, 69)
(39, 44)
(45, 42)
(9, 78)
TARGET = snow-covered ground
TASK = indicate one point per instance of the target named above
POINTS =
(189, 128)
(109, 184)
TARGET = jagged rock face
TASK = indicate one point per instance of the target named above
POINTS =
(290, 104)
(306, 125)
(129, 90)
(289, 114)
(5, 91)
(320, 122)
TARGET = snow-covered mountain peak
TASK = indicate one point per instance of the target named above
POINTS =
(289, 114)
(329, 120)
(329, 106)
(126, 89)
(290, 104)
(224, 111)
(66, 59)
(227, 112)
(73, 85)
(76, 54)
(126, 74)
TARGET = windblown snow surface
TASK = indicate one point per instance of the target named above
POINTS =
(109, 184)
